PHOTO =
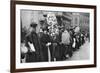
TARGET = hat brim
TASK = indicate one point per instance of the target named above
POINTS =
(33, 25)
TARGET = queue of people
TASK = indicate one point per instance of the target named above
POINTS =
(41, 47)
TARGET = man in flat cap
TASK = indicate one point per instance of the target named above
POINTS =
(34, 47)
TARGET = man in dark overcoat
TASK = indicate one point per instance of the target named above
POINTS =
(32, 39)
(45, 40)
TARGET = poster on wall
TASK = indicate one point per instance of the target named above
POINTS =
(51, 36)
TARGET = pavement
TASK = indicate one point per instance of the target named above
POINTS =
(83, 53)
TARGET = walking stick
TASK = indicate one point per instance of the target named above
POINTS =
(49, 55)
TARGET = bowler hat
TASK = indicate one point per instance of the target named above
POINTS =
(33, 24)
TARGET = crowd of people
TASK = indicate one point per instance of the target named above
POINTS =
(42, 47)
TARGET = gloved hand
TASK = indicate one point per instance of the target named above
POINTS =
(48, 44)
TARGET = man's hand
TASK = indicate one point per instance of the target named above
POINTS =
(48, 44)
(55, 44)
